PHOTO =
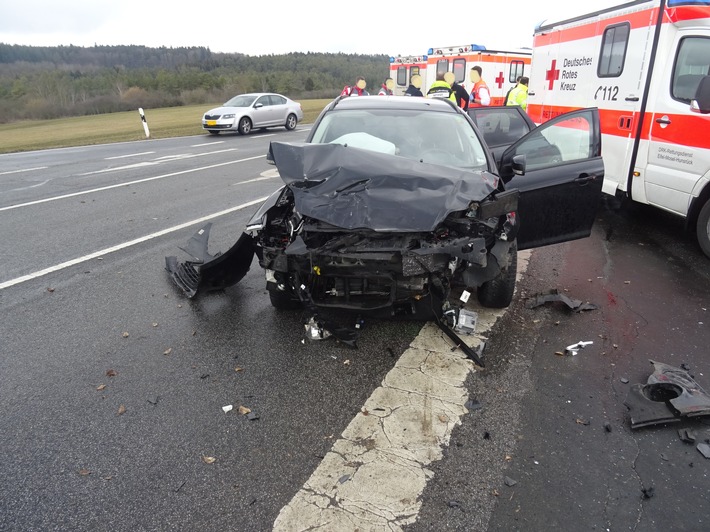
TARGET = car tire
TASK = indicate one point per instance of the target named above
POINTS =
(703, 228)
(498, 292)
(244, 126)
(213, 132)
(283, 300)
(291, 122)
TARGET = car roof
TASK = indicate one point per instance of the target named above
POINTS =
(416, 103)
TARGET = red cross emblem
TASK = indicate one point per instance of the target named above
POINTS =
(553, 74)
(500, 80)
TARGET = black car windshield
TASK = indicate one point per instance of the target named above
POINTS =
(243, 100)
(427, 136)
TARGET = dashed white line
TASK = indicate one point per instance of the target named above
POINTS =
(24, 170)
(126, 184)
(124, 245)
(128, 155)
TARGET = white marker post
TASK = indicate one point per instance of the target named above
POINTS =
(145, 124)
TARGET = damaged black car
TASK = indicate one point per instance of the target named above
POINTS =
(391, 203)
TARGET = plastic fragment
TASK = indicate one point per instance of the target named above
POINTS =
(704, 449)
(510, 482)
(686, 435)
(227, 408)
(574, 348)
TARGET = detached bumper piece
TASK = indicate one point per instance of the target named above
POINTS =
(210, 272)
(669, 395)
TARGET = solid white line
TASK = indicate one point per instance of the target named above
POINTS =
(109, 187)
(129, 155)
(130, 243)
(24, 170)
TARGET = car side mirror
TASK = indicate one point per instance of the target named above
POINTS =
(519, 163)
(701, 102)
(258, 105)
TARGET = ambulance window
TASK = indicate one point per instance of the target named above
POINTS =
(516, 70)
(613, 52)
(442, 66)
(459, 70)
(414, 71)
(691, 64)
(402, 76)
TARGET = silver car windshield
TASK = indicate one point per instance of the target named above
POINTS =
(243, 100)
(431, 137)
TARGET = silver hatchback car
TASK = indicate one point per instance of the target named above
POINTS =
(256, 110)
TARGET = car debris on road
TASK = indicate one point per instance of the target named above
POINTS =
(669, 395)
(554, 295)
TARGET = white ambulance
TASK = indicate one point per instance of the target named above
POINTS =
(646, 65)
(403, 67)
(500, 68)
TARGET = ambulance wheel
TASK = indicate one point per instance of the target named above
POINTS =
(244, 126)
(498, 292)
(291, 122)
(703, 228)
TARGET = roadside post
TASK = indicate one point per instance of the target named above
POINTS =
(145, 124)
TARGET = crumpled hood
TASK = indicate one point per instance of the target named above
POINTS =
(354, 188)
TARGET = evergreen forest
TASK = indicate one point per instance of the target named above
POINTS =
(51, 82)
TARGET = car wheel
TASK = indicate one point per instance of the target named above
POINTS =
(244, 126)
(213, 132)
(283, 300)
(703, 228)
(291, 122)
(498, 292)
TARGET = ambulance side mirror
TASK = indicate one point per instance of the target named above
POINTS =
(701, 102)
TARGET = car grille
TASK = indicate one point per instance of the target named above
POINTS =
(212, 117)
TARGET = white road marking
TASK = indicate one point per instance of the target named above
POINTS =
(156, 161)
(210, 144)
(30, 186)
(128, 183)
(373, 476)
(24, 170)
(128, 155)
(124, 245)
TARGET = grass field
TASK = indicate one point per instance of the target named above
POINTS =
(116, 127)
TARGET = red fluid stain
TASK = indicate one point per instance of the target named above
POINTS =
(611, 298)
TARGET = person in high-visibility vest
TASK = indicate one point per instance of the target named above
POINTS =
(519, 94)
(480, 95)
(441, 89)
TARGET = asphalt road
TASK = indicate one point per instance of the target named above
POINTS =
(112, 383)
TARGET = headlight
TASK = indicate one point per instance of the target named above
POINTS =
(228, 116)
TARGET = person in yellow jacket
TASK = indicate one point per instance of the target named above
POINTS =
(519, 94)
(441, 89)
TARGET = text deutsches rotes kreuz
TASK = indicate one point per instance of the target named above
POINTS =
(570, 72)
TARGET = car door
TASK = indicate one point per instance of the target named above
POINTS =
(262, 112)
(280, 109)
(559, 171)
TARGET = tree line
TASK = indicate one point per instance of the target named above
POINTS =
(50, 82)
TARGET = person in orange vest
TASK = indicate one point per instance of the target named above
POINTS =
(480, 95)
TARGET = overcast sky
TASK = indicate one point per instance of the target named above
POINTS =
(256, 27)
